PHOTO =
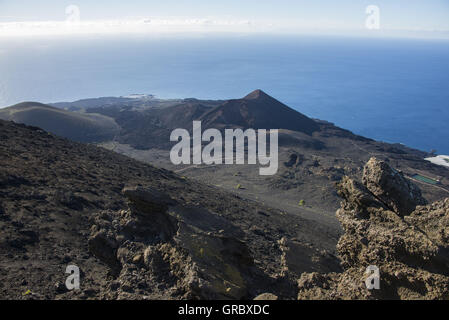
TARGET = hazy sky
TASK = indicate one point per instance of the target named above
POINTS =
(280, 15)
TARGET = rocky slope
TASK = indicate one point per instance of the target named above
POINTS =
(386, 224)
(136, 231)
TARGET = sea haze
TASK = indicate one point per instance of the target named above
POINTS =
(394, 90)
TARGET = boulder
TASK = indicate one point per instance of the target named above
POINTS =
(391, 187)
(384, 229)
(158, 243)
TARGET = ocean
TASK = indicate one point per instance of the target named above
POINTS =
(394, 90)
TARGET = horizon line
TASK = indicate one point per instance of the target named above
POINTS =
(183, 26)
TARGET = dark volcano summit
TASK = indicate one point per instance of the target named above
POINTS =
(259, 111)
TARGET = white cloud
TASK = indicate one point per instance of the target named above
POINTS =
(158, 25)
(148, 25)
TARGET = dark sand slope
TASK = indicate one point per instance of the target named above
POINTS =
(83, 127)
(258, 111)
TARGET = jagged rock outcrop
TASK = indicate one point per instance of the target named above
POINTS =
(391, 187)
(159, 245)
(384, 227)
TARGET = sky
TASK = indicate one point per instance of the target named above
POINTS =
(288, 16)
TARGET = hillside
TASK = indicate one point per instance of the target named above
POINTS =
(138, 232)
(313, 154)
(76, 126)
(63, 202)
(258, 111)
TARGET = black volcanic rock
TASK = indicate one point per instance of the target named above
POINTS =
(258, 111)
(180, 116)
(150, 127)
